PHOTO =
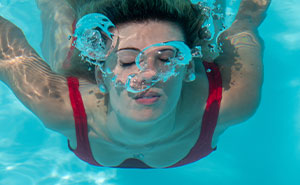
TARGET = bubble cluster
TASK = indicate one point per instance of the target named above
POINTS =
(219, 17)
(138, 80)
(93, 37)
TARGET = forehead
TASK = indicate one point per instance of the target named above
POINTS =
(141, 35)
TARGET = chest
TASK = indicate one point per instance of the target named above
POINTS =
(159, 154)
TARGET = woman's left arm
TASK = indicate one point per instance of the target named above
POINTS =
(241, 63)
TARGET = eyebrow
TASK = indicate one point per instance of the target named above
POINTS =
(132, 48)
(129, 48)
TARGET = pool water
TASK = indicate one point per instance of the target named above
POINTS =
(263, 150)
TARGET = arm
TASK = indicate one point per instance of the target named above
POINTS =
(32, 81)
(241, 63)
(57, 18)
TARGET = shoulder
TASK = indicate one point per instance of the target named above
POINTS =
(81, 93)
(95, 102)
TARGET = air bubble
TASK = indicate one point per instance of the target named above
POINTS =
(102, 88)
(197, 52)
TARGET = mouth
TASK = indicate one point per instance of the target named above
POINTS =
(147, 98)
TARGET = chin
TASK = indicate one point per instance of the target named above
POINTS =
(150, 113)
(145, 115)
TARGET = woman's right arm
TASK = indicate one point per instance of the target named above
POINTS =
(31, 79)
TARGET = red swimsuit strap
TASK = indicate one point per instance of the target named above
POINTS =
(83, 150)
(202, 147)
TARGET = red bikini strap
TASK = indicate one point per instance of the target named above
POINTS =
(210, 117)
(83, 150)
(202, 148)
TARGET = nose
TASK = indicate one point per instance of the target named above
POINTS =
(146, 77)
(149, 76)
(150, 71)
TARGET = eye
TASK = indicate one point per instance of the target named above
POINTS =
(126, 64)
(126, 57)
(166, 55)
(126, 61)
(164, 59)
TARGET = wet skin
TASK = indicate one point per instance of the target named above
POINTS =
(114, 139)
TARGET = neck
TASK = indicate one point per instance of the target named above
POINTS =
(133, 133)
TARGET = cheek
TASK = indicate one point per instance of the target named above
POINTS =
(116, 100)
(122, 74)
(173, 88)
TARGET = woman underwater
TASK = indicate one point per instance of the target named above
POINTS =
(145, 98)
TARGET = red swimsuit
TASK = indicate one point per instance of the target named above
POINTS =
(201, 149)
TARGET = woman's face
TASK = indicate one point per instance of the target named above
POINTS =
(162, 98)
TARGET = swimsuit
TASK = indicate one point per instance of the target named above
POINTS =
(202, 147)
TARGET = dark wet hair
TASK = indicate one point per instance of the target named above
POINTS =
(190, 17)
(187, 15)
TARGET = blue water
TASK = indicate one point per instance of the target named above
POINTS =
(263, 150)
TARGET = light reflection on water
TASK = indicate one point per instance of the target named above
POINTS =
(30, 154)
(288, 11)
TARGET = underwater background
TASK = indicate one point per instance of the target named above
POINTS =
(263, 150)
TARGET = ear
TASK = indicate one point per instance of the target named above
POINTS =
(190, 72)
(99, 80)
